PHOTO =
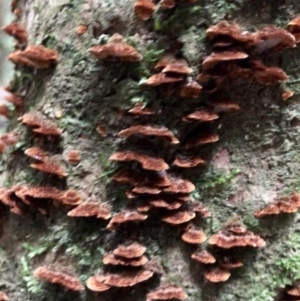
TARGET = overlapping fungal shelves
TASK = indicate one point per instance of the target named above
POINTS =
(126, 133)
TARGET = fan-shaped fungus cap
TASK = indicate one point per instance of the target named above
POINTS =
(230, 263)
(294, 28)
(198, 207)
(295, 291)
(178, 185)
(40, 123)
(167, 3)
(70, 197)
(88, 209)
(190, 90)
(144, 9)
(193, 235)
(225, 106)
(224, 56)
(179, 217)
(202, 139)
(10, 138)
(217, 274)
(3, 296)
(203, 257)
(169, 63)
(125, 217)
(202, 115)
(96, 283)
(132, 250)
(126, 279)
(16, 31)
(111, 259)
(36, 56)
(161, 78)
(36, 153)
(188, 161)
(286, 95)
(166, 292)
(145, 190)
(63, 279)
(160, 202)
(149, 130)
(147, 162)
(140, 109)
(118, 48)
(73, 157)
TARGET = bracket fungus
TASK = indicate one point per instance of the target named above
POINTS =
(124, 217)
(131, 250)
(149, 130)
(217, 274)
(116, 47)
(183, 161)
(202, 115)
(65, 280)
(147, 162)
(179, 217)
(166, 292)
(170, 64)
(193, 235)
(96, 283)
(40, 124)
(16, 31)
(3, 296)
(162, 78)
(203, 256)
(202, 139)
(294, 28)
(111, 259)
(36, 56)
(91, 209)
(190, 90)
(73, 157)
(144, 9)
(230, 263)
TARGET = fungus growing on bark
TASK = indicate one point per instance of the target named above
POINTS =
(179, 217)
(178, 185)
(3, 296)
(286, 95)
(139, 109)
(116, 47)
(111, 259)
(126, 279)
(202, 115)
(89, 209)
(4, 111)
(198, 207)
(190, 90)
(289, 204)
(234, 235)
(131, 250)
(15, 99)
(144, 9)
(230, 263)
(36, 56)
(101, 130)
(167, 3)
(188, 161)
(10, 138)
(145, 190)
(225, 106)
(66, 281)
(294, 291)
(168, 205)
(294, 28)
(70, 197)
(36, 153)
(217, 274)
(125, 217)
(162, 78)
(170, 64)
(147, 162)
(203, 256)
(149, 130)
(40, 124)
(224, 56)
(16, 31)
(201, 140)
(96, 283)
(81, 29)
(193, 235)
(166, 292)
(73, 157)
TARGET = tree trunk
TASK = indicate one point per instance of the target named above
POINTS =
(255, 160)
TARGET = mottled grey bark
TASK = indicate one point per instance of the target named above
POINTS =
(256, 159)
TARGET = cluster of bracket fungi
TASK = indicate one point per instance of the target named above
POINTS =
(154, 181)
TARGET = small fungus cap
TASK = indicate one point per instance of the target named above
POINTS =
(144, 9)
(96, 283)
(125, 217)
(203, 256)
(217, 274)
(193, 235)
(166, 292)
(88, 209)
(132, 250)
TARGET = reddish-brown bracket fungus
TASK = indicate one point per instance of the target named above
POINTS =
(294, 28)
(162, 78)
(225, 106)
(294, 291)
(144, 9)
(131, 250)
(126, 279)
(168, 204)
(190, 90)
(15, 99)
(89, 209)
(16, 31)
(141, 110)
(170, 64)
(40, 124)
(202, 115)
(81, 29)
(36, 153)
(230, 263)
(217, 274)
(179, 217)
(70, 197)
(73, 157)
(39, 192)
(286, 95)
(147, 162)
(96, 283)
(188, 161)
(3, 296)
(10, 138)
(199, 208)
(36, 56)
(203, 256)
(125, 217)
(289, 204)
(111, 259)
(178, 185)
(149, 130)
(166, 292)
(193, 235)
(63, 279)
(118, 48)
(167, 3)
(201, 140)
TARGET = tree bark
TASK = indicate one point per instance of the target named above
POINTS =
(255, 160)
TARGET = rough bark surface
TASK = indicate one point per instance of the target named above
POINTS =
(256, 159)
